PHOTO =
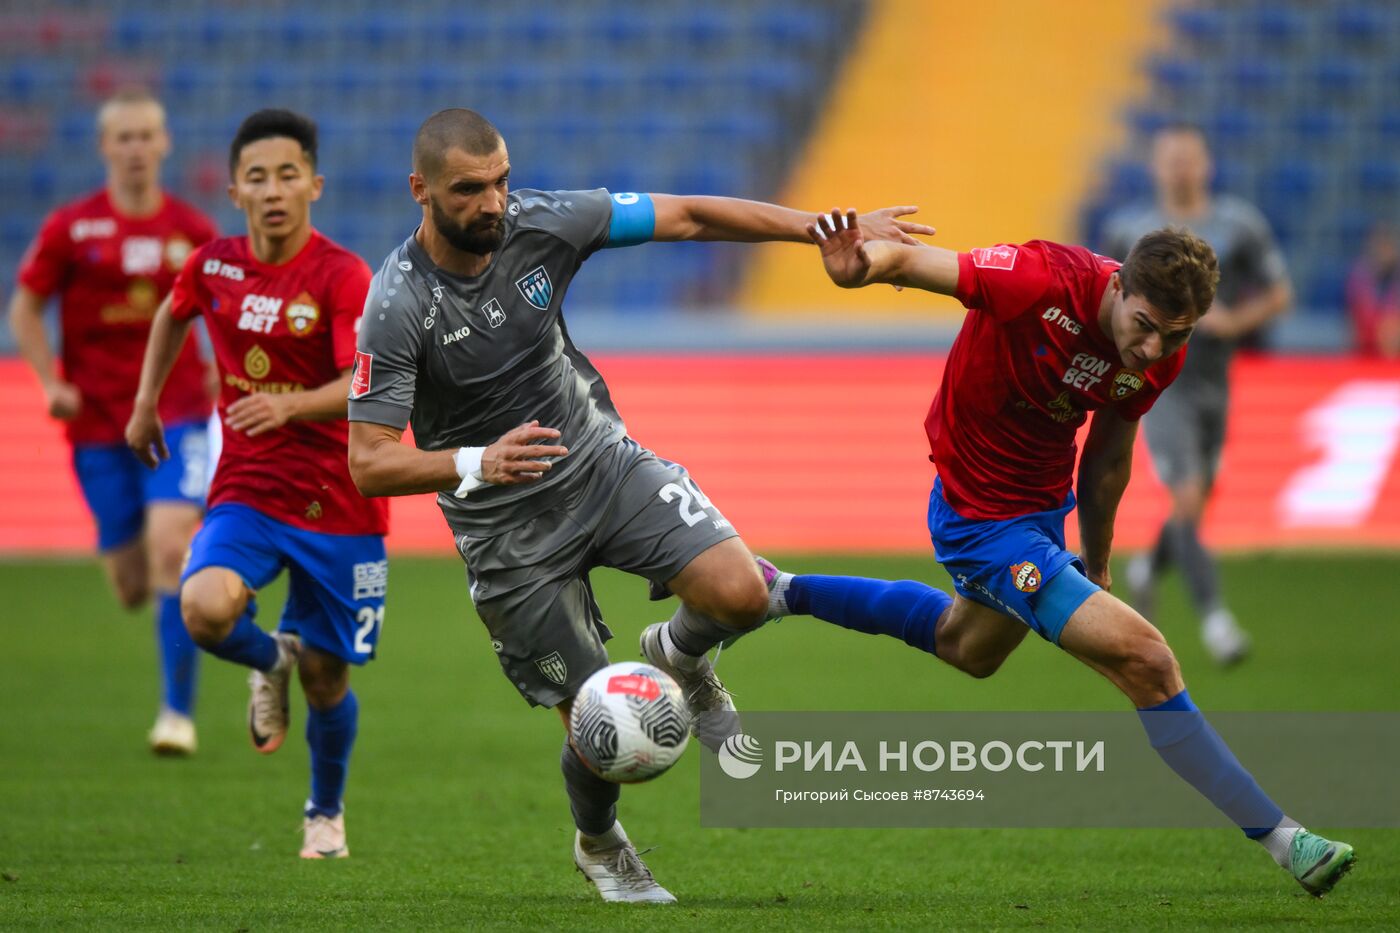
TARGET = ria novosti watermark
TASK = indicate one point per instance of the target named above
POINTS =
(1035, 769)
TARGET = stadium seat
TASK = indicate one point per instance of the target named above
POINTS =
(1199, 25)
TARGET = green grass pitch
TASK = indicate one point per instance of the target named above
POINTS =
(456, 813)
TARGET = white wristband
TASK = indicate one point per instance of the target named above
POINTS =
(468, 462)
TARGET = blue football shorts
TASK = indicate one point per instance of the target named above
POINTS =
(336, 583)
(118, 487)
(1017, 566)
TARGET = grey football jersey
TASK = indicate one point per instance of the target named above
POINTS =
(1249, 260)
(464, 360)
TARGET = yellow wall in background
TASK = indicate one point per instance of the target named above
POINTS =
(991, 115)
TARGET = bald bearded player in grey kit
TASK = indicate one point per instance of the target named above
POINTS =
(463, 337)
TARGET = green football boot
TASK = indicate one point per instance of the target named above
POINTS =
(1319, 863)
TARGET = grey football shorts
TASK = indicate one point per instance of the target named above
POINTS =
(1185, 436)
(635, 512)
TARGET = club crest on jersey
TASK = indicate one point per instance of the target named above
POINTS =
(995, 257)
(359, 382)
(256, 363)
(177, 250)
(1126, 383)
(495, 314)
(302, 315)
(536, 287)
(1026, 576)
(553, 667)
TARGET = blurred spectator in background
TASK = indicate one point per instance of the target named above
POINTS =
(1373, 294)
(1186, 429)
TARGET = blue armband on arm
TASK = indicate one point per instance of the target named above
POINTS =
(633, 220)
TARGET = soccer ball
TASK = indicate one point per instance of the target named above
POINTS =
(629, 723)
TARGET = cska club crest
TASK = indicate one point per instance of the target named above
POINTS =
(1125, 384)
(553, 667)
(536, 287)
(1026, 576)
(302, 314)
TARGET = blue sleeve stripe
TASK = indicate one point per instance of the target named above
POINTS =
(633, 220)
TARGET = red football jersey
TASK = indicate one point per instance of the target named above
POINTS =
(284, 328)
(110, 273)
(1028, 365)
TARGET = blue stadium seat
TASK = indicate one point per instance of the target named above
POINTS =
(1379, 177)
(1360, 23)
(1176, 76)
(1316, 127)
(1199, 25)
(1275, 25)
(1256, 76)
(1338, 77)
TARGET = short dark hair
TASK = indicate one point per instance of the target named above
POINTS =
(1183, 126)
(1175, 270)
(268, 124)
(457, 128)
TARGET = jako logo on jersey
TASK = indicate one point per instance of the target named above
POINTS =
(536, 287)
(223, 270)
(1056, 316)
(302, 315)
(359, 382)
(553, 667)
(1026, 576)
(258, 313)
(456, 335)
(495, 314)
(1126, 383)
(995, 257)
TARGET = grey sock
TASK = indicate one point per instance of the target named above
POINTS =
(695, 633)
(592, 799)
(1197, 566)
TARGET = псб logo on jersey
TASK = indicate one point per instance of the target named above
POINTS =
(536, 287)
(1125, 384)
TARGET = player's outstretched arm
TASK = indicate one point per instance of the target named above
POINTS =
(852, 260)
(260, 412)
(382, 465)
(32, 339)
(1104, 470)
(144, 433)
(696, 217)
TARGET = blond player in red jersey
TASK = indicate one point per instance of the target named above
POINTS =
(109, 258)
(282, 305)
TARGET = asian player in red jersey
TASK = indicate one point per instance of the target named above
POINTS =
(282, 305)
(110, 257)
(1052, 333)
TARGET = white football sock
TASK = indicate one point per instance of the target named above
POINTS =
(1279, 842)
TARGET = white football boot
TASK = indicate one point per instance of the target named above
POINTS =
(713, 717)
(324, 837)
(268, 715)
(173, 734)
(1223, 638)
(617, 871)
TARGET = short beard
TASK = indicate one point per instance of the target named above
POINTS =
(477, 240)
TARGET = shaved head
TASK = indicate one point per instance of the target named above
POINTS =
(445, 130)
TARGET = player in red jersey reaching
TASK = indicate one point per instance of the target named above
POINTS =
(282, 305)
(110, 257)
(1052, 333)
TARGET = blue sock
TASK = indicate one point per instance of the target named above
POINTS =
(1194, 750)
(179, 656)
(247, 644)
(906, 610)
(331, 734)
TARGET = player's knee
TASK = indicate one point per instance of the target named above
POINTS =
(1150, 671)
(741, 603)
(324, 679)
(210, 612)
(132, 591)
(167, 558)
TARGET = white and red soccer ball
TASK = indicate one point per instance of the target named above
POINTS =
(629, 723)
